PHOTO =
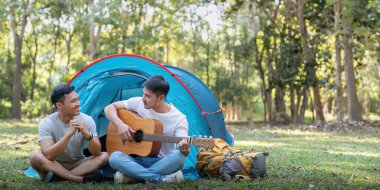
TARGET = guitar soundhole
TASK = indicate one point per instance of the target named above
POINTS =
(139, 134)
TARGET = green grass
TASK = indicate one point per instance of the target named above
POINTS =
(298, 160)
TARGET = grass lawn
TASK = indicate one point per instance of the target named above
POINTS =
(298, 160)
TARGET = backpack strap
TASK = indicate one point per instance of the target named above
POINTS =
(209, 160)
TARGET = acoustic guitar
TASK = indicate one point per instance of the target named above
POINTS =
(147, 138)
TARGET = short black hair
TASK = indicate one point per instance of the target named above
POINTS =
(59, 92)
(157, 84)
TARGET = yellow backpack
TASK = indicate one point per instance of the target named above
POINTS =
(230, 163)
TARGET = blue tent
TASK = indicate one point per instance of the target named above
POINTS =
(119, 77)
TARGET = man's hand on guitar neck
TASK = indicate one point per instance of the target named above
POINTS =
(125, 132)
(184, 147)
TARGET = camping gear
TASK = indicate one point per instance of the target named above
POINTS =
(230, 163)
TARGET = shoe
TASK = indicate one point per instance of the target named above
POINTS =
(174, 177)
(121, 178)
(95, 177)
(50, 177)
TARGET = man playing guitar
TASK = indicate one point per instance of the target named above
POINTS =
(166, 167)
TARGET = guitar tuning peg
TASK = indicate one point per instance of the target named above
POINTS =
(200, 136)
(205, 136)
(210, 137)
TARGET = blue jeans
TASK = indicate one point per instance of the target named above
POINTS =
(151, 169)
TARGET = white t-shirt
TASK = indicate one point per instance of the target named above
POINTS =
(51, 127)
(174, 122)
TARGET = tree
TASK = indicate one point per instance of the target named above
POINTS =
(309, 59)
(263, 58)
(338, 66)
(94, 31)
(354, 108)
(33, 55)
(19, 18)
(255, 12)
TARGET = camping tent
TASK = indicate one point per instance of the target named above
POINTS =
(119, 77)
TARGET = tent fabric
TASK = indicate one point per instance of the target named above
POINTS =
(209, 106)
(119, 77)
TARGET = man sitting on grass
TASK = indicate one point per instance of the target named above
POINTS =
(61, 136)
(166, 167)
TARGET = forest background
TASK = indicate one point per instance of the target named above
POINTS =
(279, 61)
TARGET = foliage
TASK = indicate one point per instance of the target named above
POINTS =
(213, 39)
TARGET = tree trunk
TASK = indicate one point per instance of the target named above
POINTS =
(268, 92)
(124, 37)
(34, 60)
(280, 106)
(298, 103)
(33, 76)
(51, 68)
(230, 114)
(304, 105)
(309, 58)
(16, 89)
(68, 49)
(263, 98)
(338, 65)
(269, 107)
(258, 59)
(354, 109)
(194, 30)
(208, 57)
(194, 52)
(68, 43)
(93, 37)
(92, 32)
(17, 75)
(292, 105)
(270, 56)
(317, 105)
(237, 112)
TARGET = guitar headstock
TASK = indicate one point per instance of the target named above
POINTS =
(206, 143)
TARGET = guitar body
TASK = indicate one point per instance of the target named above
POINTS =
(146, 125)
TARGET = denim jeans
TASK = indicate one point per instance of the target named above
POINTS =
(151, 169)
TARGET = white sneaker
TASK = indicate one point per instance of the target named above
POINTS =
(121, 178)
(174, 177)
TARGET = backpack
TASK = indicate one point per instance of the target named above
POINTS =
(230, 163)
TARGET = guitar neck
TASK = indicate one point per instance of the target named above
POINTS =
(206, 143)
(162, 138)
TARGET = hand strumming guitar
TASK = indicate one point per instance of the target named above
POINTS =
(125, 132)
